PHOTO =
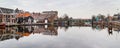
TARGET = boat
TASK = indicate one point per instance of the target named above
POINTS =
(2, 25)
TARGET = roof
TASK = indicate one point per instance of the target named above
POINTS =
(24, 14)
(6, 10)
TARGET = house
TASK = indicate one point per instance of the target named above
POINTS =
(37, 17)
(51, 16)
(7, 16)
(24, 18)
(116, 17)
(45, 17)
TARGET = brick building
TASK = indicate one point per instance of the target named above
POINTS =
(8, 16)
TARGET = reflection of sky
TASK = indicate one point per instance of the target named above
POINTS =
(74, 8)
(74, 37)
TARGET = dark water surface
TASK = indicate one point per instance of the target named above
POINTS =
(58, 37)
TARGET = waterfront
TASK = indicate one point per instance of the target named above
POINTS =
(59, 37)
(59, 24)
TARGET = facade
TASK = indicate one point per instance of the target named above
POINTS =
(51, 15)
(116, 17)
(8, 16)
(24, 18)
(11, 16)
(37, 17)
(109, 19)
(45, 17)
(75, 22)
(80, 21)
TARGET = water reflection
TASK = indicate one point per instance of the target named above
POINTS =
(21, 31)
(109, 28)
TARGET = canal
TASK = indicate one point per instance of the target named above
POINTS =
(59, 37)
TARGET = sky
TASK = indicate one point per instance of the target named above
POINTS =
(73, 8)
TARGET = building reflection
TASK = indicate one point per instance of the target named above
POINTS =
(21, 31)
(110, 28)
(110, 32)
(98, 27)
(50, 30)
(8, 33)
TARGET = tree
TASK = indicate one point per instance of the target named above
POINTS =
(93, 18)
(65, 17)
(102, 17)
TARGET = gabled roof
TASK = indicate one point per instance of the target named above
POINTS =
(6, 10)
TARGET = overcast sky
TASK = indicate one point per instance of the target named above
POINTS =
(74, 8)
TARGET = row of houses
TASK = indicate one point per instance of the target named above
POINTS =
(101, 18)
(11, 16)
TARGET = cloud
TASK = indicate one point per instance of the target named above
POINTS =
(74, 8)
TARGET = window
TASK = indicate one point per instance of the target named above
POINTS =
(7, 20)
(4, 15)
(8, 16)
(12, 16)
(13, 21)
(0, 20)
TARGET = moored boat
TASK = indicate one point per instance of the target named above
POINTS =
(2, 25)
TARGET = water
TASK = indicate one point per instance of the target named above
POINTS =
(58, 37)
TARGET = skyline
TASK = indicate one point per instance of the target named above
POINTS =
(74, 8)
